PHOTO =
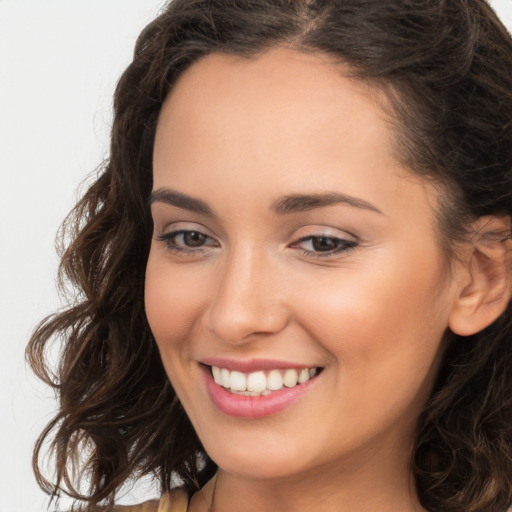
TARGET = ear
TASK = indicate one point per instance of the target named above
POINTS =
(484, 277)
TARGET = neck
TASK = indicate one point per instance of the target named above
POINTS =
(372, 487)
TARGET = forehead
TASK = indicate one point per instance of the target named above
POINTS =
(282, 122)
(275, 104)
(276, 83)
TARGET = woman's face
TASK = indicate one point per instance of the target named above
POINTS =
(288, 241)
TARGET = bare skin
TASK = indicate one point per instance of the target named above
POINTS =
(357, 287)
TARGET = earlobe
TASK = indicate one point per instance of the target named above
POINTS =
(484, 277)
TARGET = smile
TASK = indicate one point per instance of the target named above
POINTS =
(256, 389)
(261, 383)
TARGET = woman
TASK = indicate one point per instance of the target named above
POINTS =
(294, 269)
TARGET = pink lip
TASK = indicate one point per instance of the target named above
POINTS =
(251, 365)
(241, 406)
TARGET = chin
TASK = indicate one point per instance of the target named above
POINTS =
(258, 458)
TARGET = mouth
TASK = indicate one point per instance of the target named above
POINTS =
(257, 389)
(261, 383)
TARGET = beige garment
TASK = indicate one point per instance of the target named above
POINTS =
(176, 501)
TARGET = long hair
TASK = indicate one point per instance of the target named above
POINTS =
(446, 69)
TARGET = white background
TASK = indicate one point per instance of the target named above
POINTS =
(59, 62)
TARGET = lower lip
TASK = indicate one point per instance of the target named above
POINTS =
(241, 406)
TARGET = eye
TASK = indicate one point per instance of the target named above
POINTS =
(191, 238)
(322, 246)
(187, 241)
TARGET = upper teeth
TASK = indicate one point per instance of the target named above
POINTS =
(258, 383)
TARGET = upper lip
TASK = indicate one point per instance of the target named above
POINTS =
(253, 365)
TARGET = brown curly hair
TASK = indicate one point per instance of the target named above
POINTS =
(446, 67)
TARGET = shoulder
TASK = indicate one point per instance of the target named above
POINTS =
(175, 501)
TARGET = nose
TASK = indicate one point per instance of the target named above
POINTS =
(248, 298)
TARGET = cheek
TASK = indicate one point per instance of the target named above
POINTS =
(382, 324)
(172, 301)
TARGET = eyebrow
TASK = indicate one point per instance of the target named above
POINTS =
(304, 202)
(167, 196)
(289, 204)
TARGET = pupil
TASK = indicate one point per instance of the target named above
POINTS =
(324, 244)
(194, 239)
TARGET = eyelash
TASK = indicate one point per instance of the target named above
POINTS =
(170, 241)
(342, 245)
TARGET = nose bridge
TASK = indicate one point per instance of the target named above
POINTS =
(247, 298)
